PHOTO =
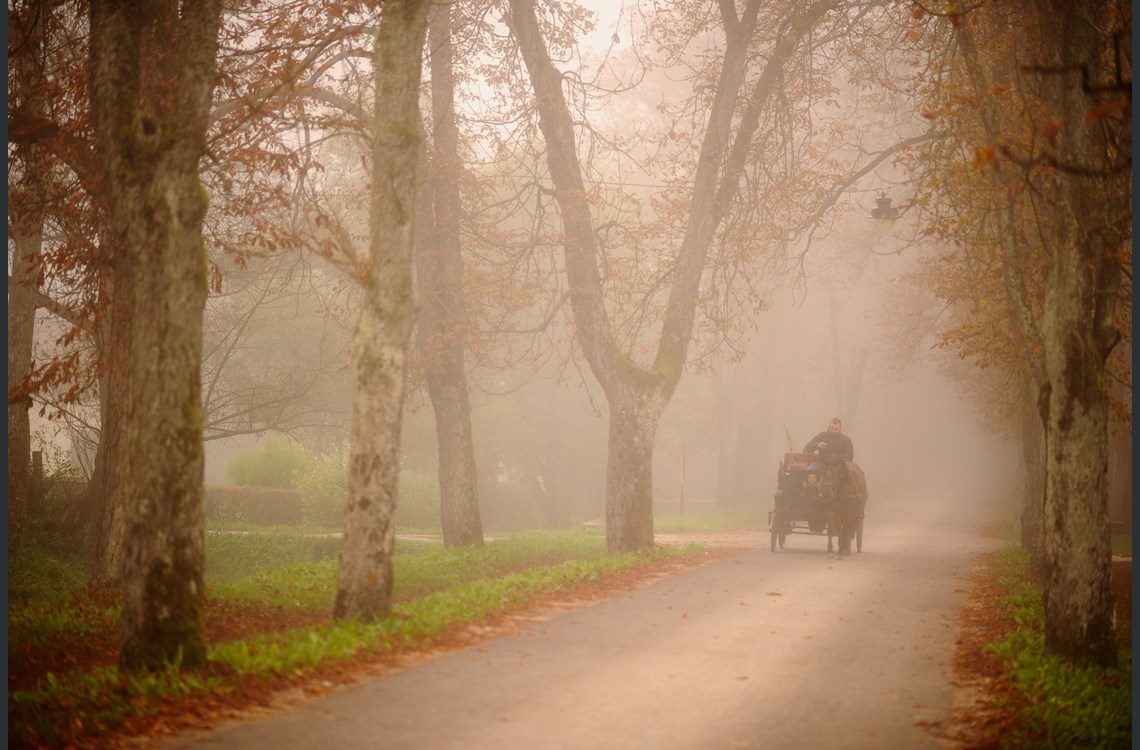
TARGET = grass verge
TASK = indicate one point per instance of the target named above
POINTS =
(1060, 706)
(438, 592)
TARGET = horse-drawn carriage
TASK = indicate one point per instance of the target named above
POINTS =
(819, 493)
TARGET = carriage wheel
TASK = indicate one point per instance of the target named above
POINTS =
(783, 536)
(775, 536)
(859, 537)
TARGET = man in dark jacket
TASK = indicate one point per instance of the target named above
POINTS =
(832, 442)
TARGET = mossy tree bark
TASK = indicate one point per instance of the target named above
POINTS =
(1092, 224)
(635, 412)
(152, 80)
(364, 582)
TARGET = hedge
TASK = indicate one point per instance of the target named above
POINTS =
(257, 505)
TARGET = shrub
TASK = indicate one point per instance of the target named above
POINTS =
(324, 487)
(271, 464)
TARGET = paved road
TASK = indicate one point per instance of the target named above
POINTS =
(792, 649)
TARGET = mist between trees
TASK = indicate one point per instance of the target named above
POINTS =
(560, 271)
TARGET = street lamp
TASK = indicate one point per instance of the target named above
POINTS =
(883, 210)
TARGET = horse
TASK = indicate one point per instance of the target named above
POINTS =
(843, 489)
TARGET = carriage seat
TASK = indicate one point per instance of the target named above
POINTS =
(794, 460)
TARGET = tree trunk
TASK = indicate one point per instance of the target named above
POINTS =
(1084, 188)
(364, 581)
(27, 235)
(103, 499)
(1093, 219)
(721, 162)
(443, 318)
(162, 574)
(1079, 609)
(150, 112)
(634, 414)
(458, 489)
(631, 392)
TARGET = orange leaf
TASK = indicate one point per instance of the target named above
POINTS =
(1101, 111)
(986, 156)
(1051, 129)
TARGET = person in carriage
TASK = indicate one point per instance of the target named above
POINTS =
(832, 441)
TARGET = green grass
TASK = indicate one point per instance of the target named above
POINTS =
(236, 553)
(58, 709)
(417, 622)
(1122, 544)
(436, 591)
(419, 567)
(41, 625)
(45, 571)
(44, 583)
(300, 587)
(1063, 706)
